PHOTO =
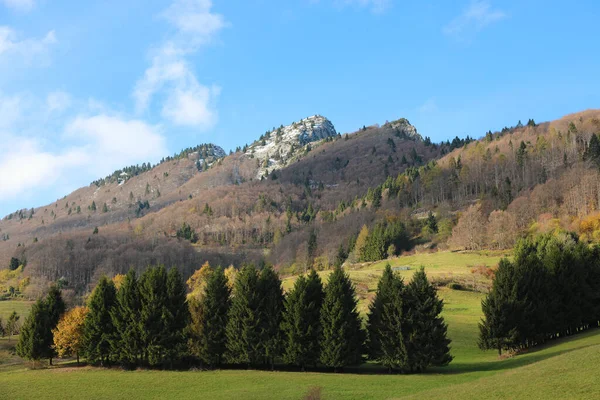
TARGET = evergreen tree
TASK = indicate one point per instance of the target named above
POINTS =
(127, 343)
(376, 197)
(426, 341)
(342, 336)
(215, 305)
(271, 310)
(154, 315)
(243, 325)
(341, 256)
(431, 223)
(98, 330)
(35, 339)
(55, 307)
(177, 317)
(593, 150)
(301, 324)
(385, 326)
(12, 325)
(311, 248)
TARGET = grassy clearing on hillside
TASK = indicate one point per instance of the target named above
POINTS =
(438, 266)
(20, 306)
(472, 373)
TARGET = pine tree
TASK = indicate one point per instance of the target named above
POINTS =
(126, 343)
(243, 325)
(301, 324)
(271, 310)
(342, 337)
(56, 307)
(12, 324)
(386, 326)
(427, 344)
(341, 256)
(98, 330)
(215, 305)
(154, 314)
(178, 316)
(431, 223)
(593, 150)
(311, 248)
(35, 339)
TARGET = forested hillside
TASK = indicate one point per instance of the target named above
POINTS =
(329, 198)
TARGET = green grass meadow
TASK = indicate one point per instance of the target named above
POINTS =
(566, 369)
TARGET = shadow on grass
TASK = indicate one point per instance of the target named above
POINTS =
(532, 356)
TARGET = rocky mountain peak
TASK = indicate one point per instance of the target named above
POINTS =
(404, 127)
(279, 147)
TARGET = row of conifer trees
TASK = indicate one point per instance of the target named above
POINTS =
(148, 321)
(551, 289)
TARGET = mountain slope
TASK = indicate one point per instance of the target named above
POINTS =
(519, 177)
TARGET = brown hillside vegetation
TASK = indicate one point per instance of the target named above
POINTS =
(534, 177)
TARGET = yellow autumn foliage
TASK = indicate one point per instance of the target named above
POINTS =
(68, 334)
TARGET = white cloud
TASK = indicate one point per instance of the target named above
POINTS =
(26, 167)
(191, 106)
(19, 5)
(186, 101)
(113, 142)
(86, 147)
(194, 17)
(478, 15)
(27, 49)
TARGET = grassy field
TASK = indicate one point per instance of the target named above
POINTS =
(21, 307)
(566, 369)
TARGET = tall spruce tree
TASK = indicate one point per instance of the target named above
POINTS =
(426, 342)
(271, 314)
(244, 325)
(302, 324)
(215, 305)
(386, 342)
(154, 315)
(56, 307)
(178, 316)
(35, 339)
(342, 337)
(98, 330)
(127, 342)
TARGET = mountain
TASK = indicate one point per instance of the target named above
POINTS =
(305, 180)
(280, 147)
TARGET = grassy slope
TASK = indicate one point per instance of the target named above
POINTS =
(567, 367)
(21, 307)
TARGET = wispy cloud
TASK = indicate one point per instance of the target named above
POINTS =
(186, 100)
(429, 107)
(477, 16)
(28, 50)
(19, 5)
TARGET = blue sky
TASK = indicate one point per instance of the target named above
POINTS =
(88, 87)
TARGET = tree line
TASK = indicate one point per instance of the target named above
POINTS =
(551, 290)
(149, 321)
